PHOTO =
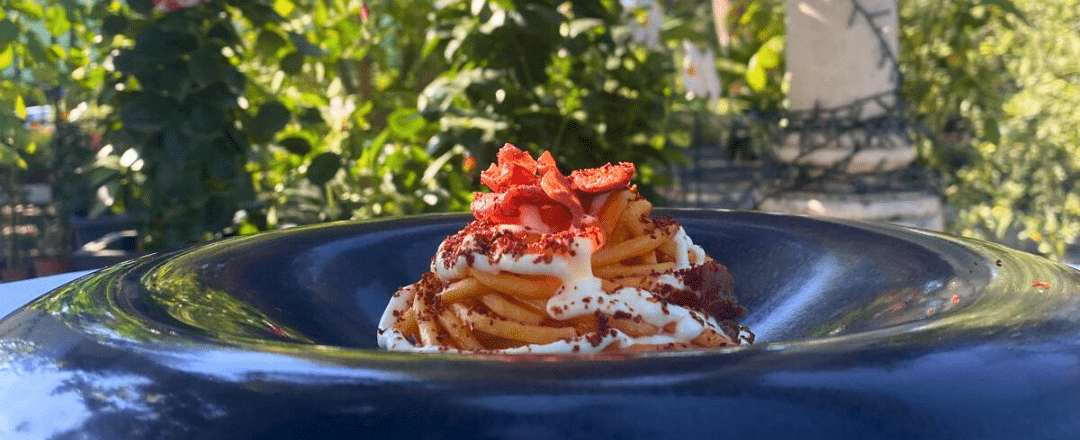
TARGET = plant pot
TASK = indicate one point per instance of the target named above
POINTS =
(52, 265)
(16, 273)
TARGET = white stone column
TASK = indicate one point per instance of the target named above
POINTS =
(840, 53)
(834, 58)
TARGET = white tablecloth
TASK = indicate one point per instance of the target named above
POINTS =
(17, 293)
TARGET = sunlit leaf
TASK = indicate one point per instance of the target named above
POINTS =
(476, 6)
(57, 52)
(29, 8)
(7, 56)
(775, 43)
(581, 25)
(767, 58)
(406, 123)
(56, 21)
(284, 7)
(756, 76)
(20, 107)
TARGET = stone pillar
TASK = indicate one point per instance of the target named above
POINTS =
(845, 122)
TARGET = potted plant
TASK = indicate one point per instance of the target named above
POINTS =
(16, 266)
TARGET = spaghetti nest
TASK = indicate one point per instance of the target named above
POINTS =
(576, 264)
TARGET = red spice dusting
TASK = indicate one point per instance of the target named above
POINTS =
(956, 299)
(708, 290)
(494, 243)
(603, 325)
(1040, 284)
(662, 222)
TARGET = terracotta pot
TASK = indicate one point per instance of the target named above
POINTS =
(16, 273)
(52, 265)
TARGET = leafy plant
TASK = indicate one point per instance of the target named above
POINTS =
(1019, 184)
(549, 75)
(352, 152)
(181, 136)
(41, 45)
(752, 63)
(953, 81)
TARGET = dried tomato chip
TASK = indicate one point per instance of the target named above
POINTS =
(487, 206)
(556, 216)
(516, 179)
(513, 167)
(556, 186)
(505, 207)
(605, 178)
(546, 163)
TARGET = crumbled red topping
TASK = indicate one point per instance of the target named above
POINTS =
(492, 242)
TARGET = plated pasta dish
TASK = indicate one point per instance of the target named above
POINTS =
(556, 263)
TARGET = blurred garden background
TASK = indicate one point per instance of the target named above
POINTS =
(133, 126)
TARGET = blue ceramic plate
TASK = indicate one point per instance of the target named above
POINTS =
(864, 331)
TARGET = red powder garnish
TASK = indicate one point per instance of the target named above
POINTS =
(1040, 284)
(708, 290)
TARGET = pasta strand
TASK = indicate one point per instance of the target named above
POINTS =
(518, 285)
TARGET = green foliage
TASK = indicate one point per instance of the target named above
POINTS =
(752, 66)
(350, 72)
(953, 79)
(31, 57)
(177, 126)
(1019, 184)
(40, 49)
(545, 75)
(238, 116)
